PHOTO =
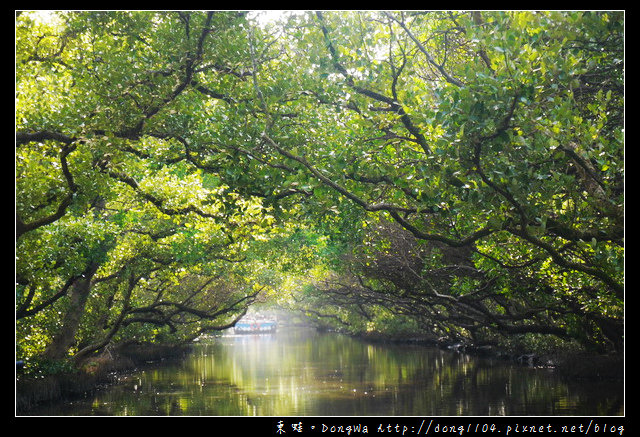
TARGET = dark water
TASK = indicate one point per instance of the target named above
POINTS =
(305, 373)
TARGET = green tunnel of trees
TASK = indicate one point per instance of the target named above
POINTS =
(452, 173)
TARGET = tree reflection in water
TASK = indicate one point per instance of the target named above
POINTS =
(305, 373)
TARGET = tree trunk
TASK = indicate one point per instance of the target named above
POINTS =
(65, 337)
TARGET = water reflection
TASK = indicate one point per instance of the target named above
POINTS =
(306, 373)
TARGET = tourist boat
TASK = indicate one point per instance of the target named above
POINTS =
(255, 327)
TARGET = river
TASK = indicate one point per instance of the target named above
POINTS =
(306, 373)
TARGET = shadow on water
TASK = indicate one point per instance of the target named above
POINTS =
(305, 373)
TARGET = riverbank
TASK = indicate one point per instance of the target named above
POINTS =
(92, 374)
(568, 364)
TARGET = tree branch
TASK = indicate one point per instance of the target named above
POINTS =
(430, 59)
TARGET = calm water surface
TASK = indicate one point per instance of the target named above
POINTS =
(305, 373)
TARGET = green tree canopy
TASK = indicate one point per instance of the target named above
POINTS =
(458, 173)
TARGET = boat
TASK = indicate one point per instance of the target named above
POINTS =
(252, 326)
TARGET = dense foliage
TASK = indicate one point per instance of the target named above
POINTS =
(452, 173)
